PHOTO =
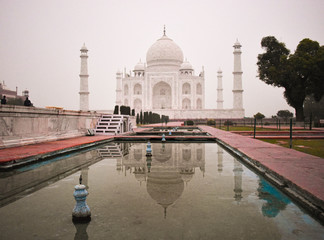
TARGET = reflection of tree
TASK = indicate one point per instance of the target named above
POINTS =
(275, 200)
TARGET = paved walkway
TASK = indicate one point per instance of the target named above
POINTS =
(23, 152)
(303, 171)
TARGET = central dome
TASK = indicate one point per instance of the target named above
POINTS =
(164, 52)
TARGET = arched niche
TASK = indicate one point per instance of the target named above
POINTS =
(186, 89)
(199, 103)
(186, 103)
(126, 89)
(199, 89)
(138, 105)
(138, 89)
(162, 97)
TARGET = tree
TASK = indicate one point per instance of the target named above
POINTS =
(116, 110)
(15, 101)
(166, 120)
(123, 110)
(145, 117)
(150, 117)
(137, 119)
(300, 74)
(314, 110)
(259, 116)
(285, 114)
(141, 117)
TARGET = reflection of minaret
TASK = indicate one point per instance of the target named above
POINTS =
(237, 86)
(219, 90)
(220, 158)
(84, 173)
(119, 165)
(237, 180)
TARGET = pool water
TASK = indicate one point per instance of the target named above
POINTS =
(184, 191)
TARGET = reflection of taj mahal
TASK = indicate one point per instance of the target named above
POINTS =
(166, 173)
(169, 170)
(167, 84)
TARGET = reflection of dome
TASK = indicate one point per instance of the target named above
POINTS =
(164, 52)
(139, 66)
(162, 152)
(165, 187)
(186, 66)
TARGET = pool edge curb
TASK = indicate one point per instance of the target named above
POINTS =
(304, 198)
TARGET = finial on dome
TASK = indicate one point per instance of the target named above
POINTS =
(164, 31)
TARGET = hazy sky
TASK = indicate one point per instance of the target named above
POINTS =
(40, 43)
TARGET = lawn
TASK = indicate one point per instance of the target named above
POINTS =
(311, 146)
(258, 129)
(248, 128)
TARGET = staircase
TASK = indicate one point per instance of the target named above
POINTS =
(112, 125)
(110, 150)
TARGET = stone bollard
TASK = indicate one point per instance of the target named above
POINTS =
(81, 211)
(163, 138)
(148, 149)
(148, 163)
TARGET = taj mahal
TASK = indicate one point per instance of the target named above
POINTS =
(168, 85)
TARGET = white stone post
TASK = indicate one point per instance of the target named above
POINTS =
(84, 92)
(219, 90)
(237, 85)
(119, 75)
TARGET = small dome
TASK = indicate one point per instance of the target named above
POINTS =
(164, 52)
(141, 177)
(139, 66)
(186, 66)
(187, 174)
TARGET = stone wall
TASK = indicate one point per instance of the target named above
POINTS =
(202, 114)
(26, 125)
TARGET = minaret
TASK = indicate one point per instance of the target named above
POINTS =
(84, 92)
(119, 75)
(237, 85)
(219, 90)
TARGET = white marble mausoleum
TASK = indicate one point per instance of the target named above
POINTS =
(167, 84)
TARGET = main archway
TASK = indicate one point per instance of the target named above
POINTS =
(137, 105)
(162, 97)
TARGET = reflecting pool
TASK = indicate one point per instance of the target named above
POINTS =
(184, 191)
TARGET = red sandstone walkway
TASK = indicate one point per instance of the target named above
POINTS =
(15, 153)
(301, 169)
